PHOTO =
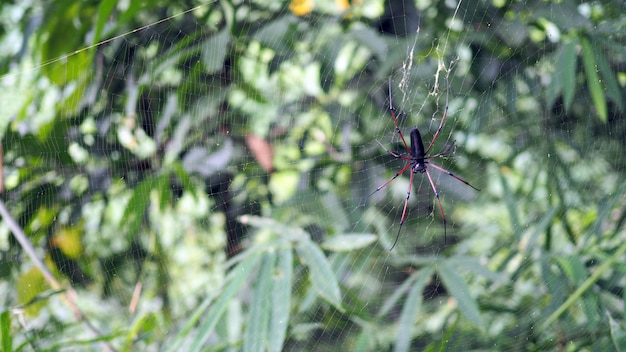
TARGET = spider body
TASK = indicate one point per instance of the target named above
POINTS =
(417, 160)
(417, 152)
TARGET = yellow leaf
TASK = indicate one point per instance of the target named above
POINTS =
(301, 7)
(29, 286)
(67, 239)
(343, 4)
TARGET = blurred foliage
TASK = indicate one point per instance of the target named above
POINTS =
(200, 171)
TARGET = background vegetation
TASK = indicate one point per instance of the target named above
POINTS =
(195, 175)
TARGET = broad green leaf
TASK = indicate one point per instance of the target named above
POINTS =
(593, 80)
(30, 286)
(214, 51)
(235, 280)
(410, 309)
(281, 299)
(364, 342)
(104, 12)
(165, 193)
(184, 179)
(348, 242)
(573, 268)
(283, 185)
(456, 286)
(136, 207)
(320, 272)
(257, 328)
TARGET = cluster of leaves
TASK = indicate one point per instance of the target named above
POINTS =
(133, 165)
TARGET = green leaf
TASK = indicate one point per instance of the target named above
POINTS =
(617, 334)
(348, 242)
(214, 51)
(291, 233)
(411, 307)
(256, 333)
(585, 286)
(593, 80)
(165, 193)
(136, 207)
(566, 70)
(511, 206)
(474, 265)
(612, 87)
(321, 274)
(456, 286)
(235, 280)
(398, 292)
(5, 331)
(104, 12)
(281, 299)
(573, 268)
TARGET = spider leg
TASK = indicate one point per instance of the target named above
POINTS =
(406, 203)
(391, 179)
(392, 111)
(442, 153)
(451, 174)
(395, 155)
(443, 215)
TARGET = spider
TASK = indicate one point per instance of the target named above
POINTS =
(418, 160)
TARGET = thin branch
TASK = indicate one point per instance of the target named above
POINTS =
(68, 293)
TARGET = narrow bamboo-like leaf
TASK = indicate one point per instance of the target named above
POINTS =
(292, 233)
(575, 271)
(257, 328)
(398, 292)
(458, 289)
(474, 265)
(411, 307)
(281, 299)
(235, 280)
(543, 225)
(348, 242)
(5, 331)
(593, 80)
(511, 205)
(618, 337)
(585, 286)
(566, 66)
(612, 87)
(178, 340)
(322, 276)
(443, 344)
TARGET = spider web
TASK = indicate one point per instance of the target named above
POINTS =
(182, 170)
